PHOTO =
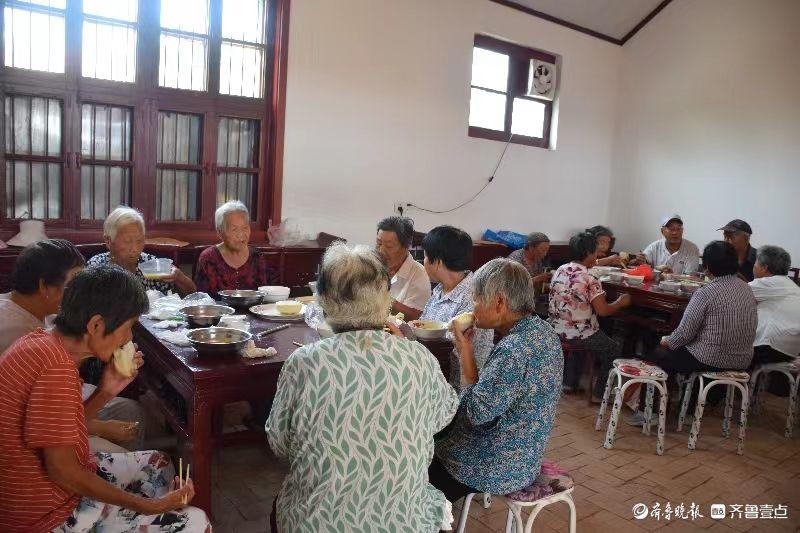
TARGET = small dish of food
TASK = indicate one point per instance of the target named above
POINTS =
(428, 329)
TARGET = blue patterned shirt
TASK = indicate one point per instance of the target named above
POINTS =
(500, 432)
(444, 307)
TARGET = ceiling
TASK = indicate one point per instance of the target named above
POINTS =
(610, 18)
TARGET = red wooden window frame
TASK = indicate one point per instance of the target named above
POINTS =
(146, 99)
(519, 61)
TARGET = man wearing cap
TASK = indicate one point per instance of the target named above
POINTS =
(737, 232)
(532, 256)
(672, 253)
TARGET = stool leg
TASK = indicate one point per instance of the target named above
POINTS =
(509, 520)
(662, 419)
(590, 376)
(612, 424)
(602, 411)
(743, 419)
(726, 422)
(648, 410)
(795, 382)
(573, 514)
(462, 519)
(754, 392)
(531, 517)
(698, 413)
(687, 395)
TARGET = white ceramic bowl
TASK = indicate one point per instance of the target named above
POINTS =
(671, 286)
(274, 293)
(617, 276)
(634, 281)
(428, 329)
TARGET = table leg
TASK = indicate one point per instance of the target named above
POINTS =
(201, 450)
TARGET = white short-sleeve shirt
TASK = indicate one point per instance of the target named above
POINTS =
(778, 314)
(686, 260)
(411, 286)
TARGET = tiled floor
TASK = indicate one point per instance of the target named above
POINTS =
(608, 482)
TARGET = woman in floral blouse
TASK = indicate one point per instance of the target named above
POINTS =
(231, 264)
(355, 414)
(448, 255)
(576, 300)
(505, 416)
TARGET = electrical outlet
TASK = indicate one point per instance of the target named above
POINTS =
(398, 208)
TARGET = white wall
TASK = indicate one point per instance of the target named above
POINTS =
(709, 123)
(377, 109)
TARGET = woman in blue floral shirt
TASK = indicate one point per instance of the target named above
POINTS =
(496, 441)
(448, 256)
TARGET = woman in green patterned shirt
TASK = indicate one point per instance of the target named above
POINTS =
(355, 414)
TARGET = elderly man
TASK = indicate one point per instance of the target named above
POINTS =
(672, 253)
(737, 232)
(410, 286)
(532, 257)
(778, 332)
(123, 231)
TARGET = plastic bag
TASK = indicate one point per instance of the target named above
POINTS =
(511, 239)
(641, 270)
(287, 233)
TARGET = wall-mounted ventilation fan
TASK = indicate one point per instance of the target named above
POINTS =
(542, 79)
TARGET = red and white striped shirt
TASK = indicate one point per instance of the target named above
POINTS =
(40, 406)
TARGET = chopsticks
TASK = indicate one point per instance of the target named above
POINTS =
(181, 479)
(273, 330)
(298, 344)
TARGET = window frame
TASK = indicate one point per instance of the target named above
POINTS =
(518, 64)
(145, 97)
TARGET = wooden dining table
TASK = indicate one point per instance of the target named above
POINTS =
(191, 390)
(651, 309)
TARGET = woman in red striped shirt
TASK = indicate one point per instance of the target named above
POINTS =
(49, 481)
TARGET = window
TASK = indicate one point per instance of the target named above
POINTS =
(105, 159)
(242, 53)
(34, 35)
(109, 39)
(499, 106)
(178, 168)
(184, 44)
(237, 160)
(33, 157)
(169, 106)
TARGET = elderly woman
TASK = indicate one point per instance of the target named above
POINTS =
(448, 255)
(410, 287)
(355, 414)
(532, 257)
(231, 264)
(123, 231)
(41, 272)
(605, 243)
(778, 298)
(577, 299)
(505, 416)
(49, 481)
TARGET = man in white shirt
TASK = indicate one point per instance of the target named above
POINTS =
(672, 253)
(778, 333)
(410, 287)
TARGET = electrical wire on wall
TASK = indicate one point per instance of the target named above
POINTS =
(474, 196)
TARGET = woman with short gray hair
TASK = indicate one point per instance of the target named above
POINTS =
(778, 298)
(123, 231)
(232, 264)
(499, 435)
(355, 414)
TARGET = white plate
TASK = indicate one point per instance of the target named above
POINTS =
(270, 312)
